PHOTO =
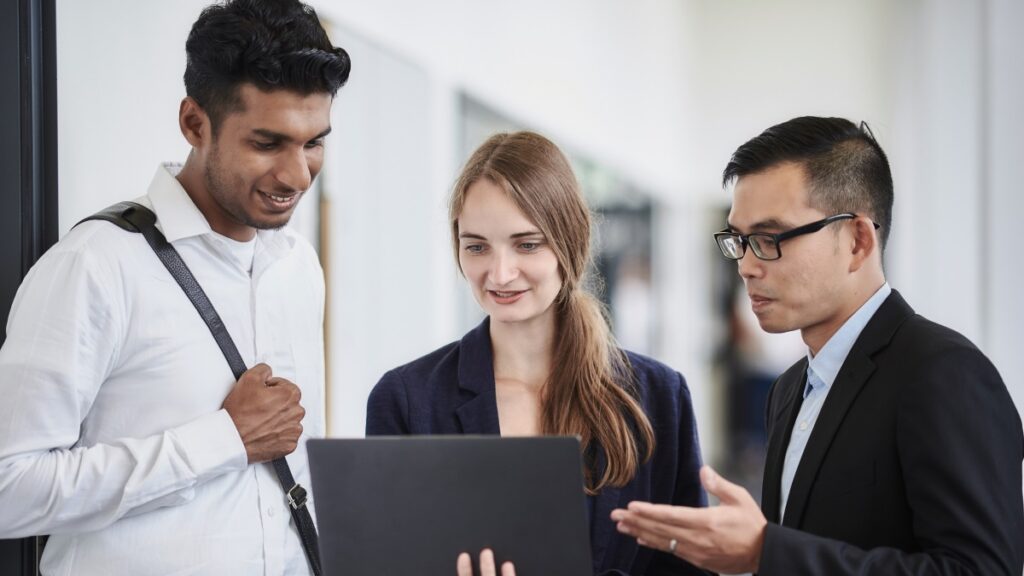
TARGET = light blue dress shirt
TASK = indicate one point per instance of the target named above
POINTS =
(822, 370)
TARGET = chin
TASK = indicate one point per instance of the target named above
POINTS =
(270, 222)
(772, 326)
(510, 317)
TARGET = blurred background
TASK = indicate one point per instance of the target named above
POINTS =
(649, 98)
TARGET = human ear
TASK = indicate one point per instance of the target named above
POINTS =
(194, 122)
(865, 242)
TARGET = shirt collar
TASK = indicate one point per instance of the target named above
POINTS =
(830, 358)
(178, 217)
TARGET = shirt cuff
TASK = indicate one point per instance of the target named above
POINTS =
(211, 445)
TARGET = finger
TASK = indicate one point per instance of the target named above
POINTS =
(287, 387)
(677, 515)
(279, 382)
(261, 372)
(464, 565)
(647, 529)
(487, 563)
(659, 545)
(725, 491)
(507, 569)
(682, 544)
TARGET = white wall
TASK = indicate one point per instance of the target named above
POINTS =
(390, 276)
(600, 75)
(957, 163)
(756, 63)
(119, 69)
(1003, 173)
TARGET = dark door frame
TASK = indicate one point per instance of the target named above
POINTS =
(28, 177)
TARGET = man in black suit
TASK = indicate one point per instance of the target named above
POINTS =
(894, 446)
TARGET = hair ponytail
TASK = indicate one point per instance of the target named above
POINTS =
(591, 393)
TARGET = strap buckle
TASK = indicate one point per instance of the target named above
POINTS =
(297, 497)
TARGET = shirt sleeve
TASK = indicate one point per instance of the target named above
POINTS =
(62, 342)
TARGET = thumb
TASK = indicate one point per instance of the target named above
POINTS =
(725, 491)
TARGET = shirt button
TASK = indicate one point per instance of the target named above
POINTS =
(803, 425)
(270, 511)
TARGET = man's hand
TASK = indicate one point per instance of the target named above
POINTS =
(464, 565)
(726, 538)
(267, 414)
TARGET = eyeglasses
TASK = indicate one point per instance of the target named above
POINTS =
(765, 245)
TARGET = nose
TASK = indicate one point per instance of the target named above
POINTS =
(504, 268)
(750, 266)
(293, 171)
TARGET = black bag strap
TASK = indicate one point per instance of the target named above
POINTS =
(135, 217)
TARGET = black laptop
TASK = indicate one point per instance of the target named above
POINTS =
(405, 506)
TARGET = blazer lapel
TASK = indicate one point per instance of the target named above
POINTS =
(855, 371)
(478, 413)
(789, 386)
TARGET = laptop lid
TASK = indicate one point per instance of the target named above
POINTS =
(409, 505)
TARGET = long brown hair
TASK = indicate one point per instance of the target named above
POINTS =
(590, 392)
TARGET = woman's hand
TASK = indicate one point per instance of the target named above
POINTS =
(464, 565)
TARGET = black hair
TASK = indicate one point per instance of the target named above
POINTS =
(845, 167)
(272, 44)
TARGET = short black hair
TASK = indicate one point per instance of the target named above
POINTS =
(272, 44)
(845, 167)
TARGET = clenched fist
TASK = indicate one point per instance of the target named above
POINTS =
(267, 414)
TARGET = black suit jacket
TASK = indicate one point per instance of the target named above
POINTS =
(913, 466)
(451, 391)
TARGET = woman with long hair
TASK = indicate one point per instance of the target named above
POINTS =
(549, 364)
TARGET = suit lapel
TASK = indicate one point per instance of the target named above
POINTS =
(478, 412)
(789, 387)
(855, 371)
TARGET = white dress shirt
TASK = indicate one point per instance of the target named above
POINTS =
(822, 370)
(112, 436)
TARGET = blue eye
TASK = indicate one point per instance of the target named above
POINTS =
(529, 246)
(474, 248)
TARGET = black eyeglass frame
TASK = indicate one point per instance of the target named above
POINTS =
(778, 238)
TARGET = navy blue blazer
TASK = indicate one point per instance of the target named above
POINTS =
(451, 391)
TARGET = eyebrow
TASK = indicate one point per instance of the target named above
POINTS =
(517, 235)
(279, 137)
(526, 234)
(769, 224)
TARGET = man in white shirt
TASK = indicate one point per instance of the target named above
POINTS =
(894, 447)
(123, 433)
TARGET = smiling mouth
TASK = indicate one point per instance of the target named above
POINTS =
(283, 200)
(506, 293)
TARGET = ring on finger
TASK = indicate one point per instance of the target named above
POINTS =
(672, 546)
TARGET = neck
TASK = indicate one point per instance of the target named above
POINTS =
(523, 350)
(815, 337)
(192, 178)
